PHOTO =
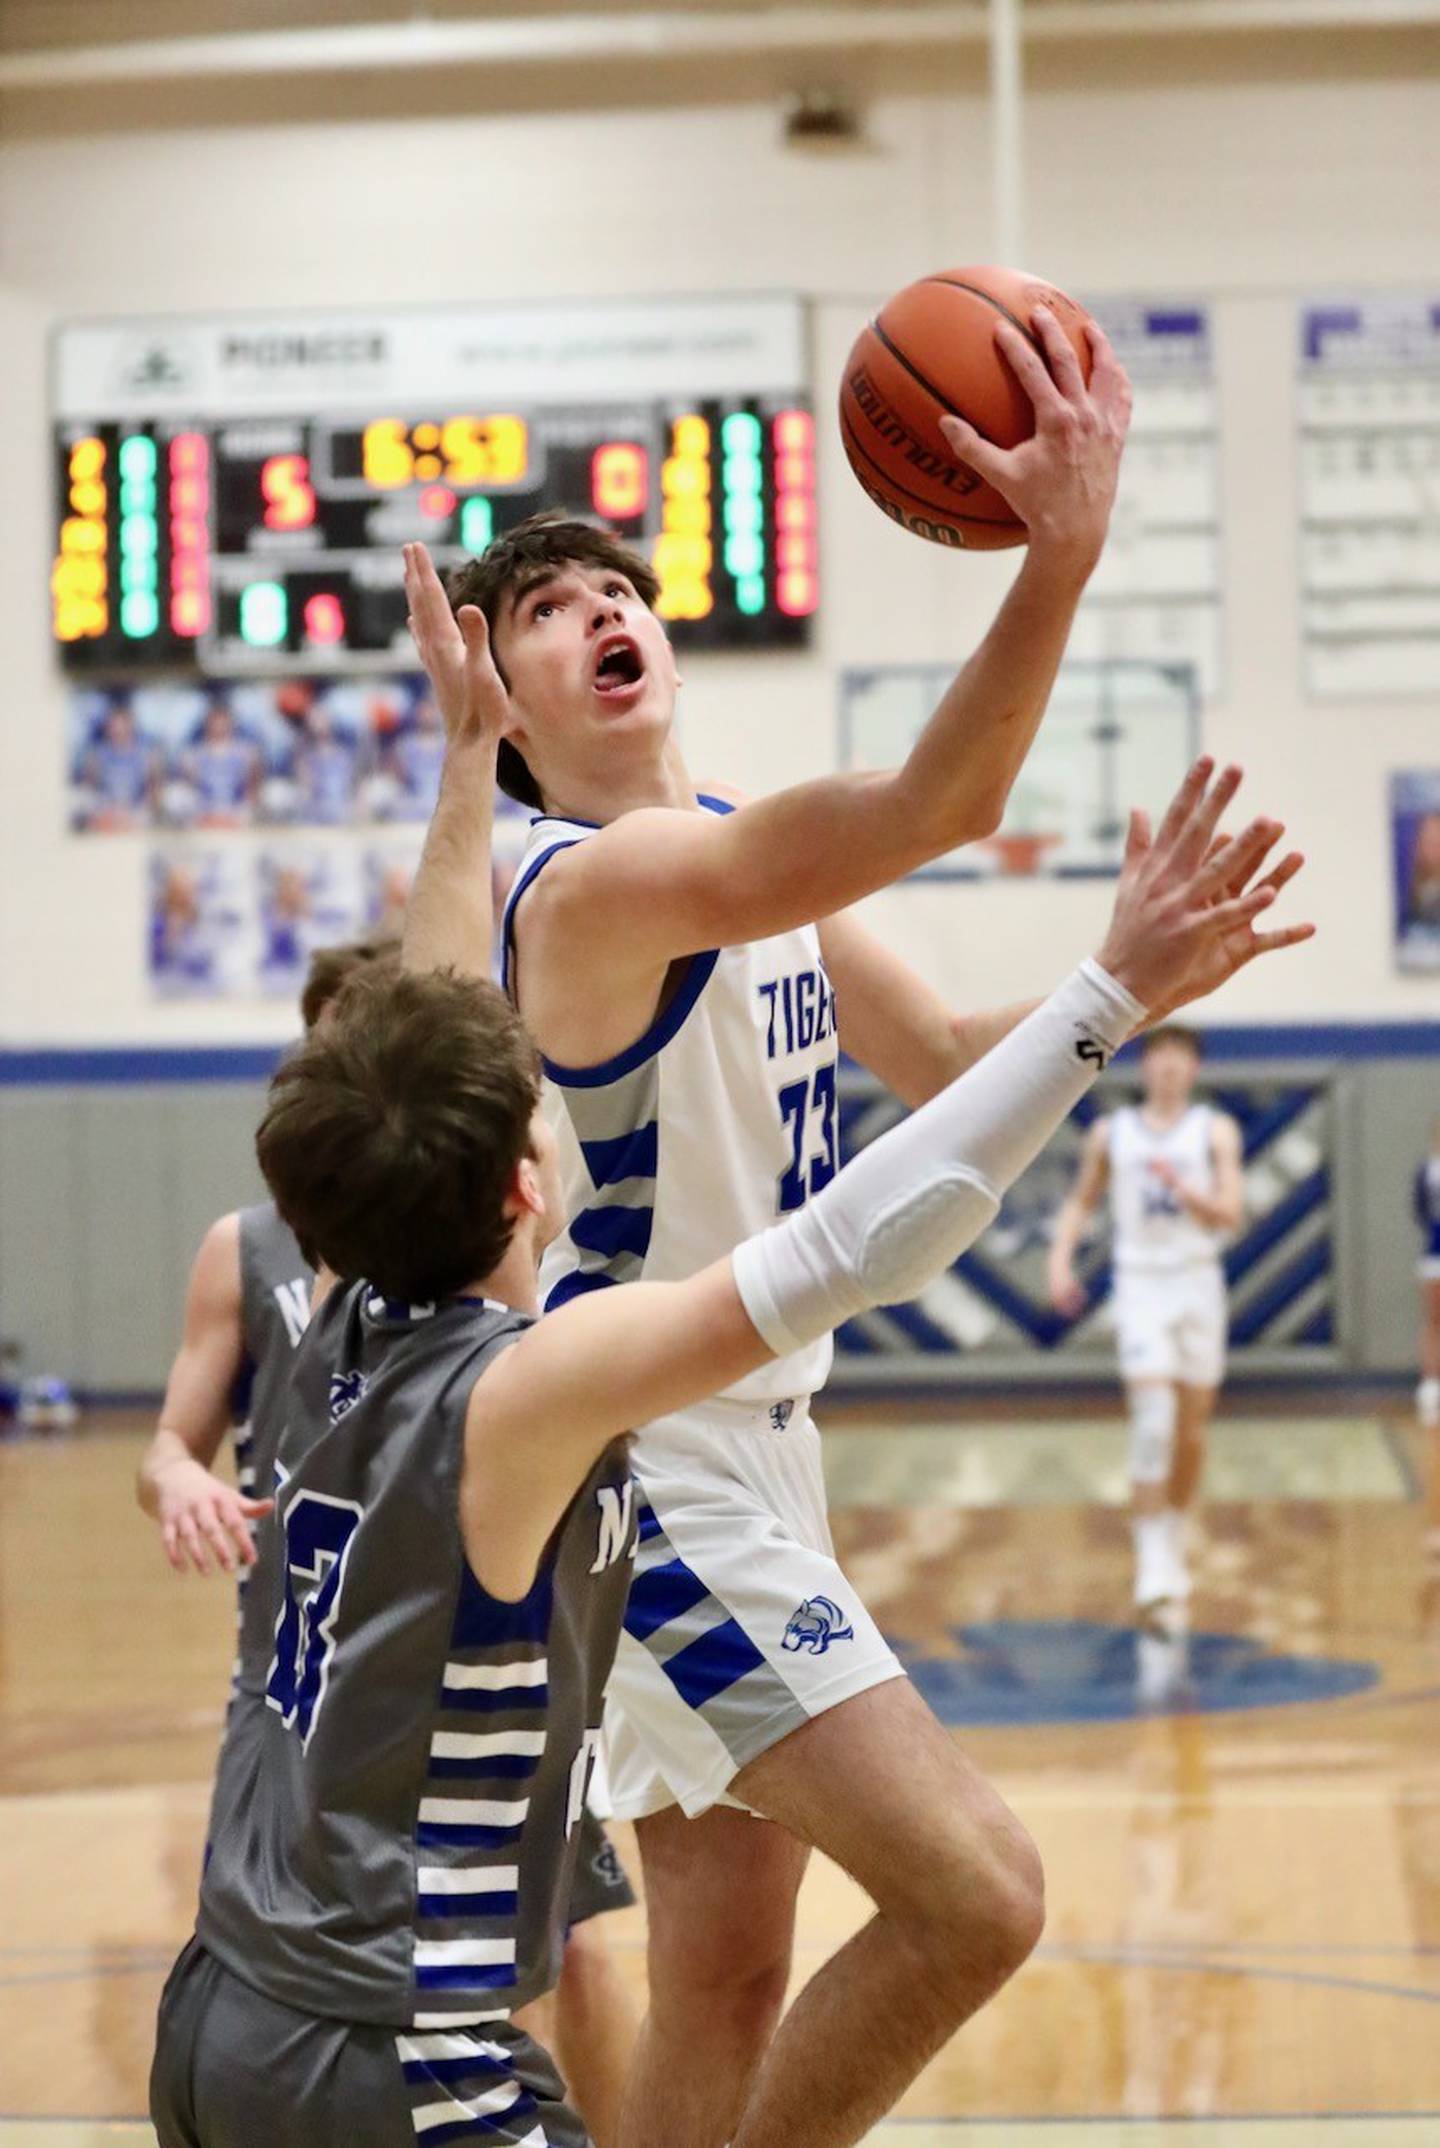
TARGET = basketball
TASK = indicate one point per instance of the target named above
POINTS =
(931, 349)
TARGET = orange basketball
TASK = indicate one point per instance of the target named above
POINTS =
(929, 350)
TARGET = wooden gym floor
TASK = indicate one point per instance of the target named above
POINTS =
(1241, 1833)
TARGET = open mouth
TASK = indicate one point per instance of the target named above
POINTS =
(618, 665)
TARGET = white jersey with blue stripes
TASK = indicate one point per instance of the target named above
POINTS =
(1153, 1228)
(722, 1117)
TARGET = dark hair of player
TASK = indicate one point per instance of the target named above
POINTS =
(392, 1134)
(520, 561)
(332, 967)
(1172, 1033)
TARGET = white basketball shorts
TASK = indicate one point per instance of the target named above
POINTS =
(1171, 1324)
(740, 1625)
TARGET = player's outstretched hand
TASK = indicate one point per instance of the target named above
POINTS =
(1185, 913)
(1060, 482)
(203, 1519)
(456, 655)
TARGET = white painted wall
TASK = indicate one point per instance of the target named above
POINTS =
(1247, 173)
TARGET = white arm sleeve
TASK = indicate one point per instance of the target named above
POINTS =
(909, 1205)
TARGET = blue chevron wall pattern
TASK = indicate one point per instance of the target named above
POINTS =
(992, 1311)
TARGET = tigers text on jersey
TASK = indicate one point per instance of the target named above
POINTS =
(403, 1850)
(720, 1118)
(1153, 1228)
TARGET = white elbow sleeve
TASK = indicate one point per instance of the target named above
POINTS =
(910, 1205)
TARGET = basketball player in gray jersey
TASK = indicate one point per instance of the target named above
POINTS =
(452, 1551)
(245, 1310)
(247, 1307)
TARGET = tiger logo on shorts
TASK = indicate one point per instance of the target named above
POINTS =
(815, 1625)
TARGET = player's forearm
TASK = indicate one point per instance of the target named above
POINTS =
(963, 765)
(909, 1205)
(1069, 1229)
(450, 917)
(925, 1059)
(977, 1034)
(1217, 1212)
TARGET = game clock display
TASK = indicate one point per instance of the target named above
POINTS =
(245, 544)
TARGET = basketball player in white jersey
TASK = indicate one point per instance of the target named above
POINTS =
(247, 1306)
(664, 952)
(1174, 1170)
(451, 1564)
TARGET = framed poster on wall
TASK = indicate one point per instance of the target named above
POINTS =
(1415, 867)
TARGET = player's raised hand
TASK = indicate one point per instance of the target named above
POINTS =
(1061, 482)
(205, 1522)
(456, 655)
(1185, 913)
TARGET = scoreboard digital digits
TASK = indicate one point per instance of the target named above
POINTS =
(248, 538)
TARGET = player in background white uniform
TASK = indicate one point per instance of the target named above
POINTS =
(1173, 1168)
(652, 921)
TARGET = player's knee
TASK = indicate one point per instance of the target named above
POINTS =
(1022, 1901)
(587, 1958)
(979, 1910)
(732, 1984)
(1153, 1415)
(1005, 1913)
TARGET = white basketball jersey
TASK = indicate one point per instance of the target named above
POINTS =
(1153, 1228)
(720, 1119)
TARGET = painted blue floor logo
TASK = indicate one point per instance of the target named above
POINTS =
(1077, 1671)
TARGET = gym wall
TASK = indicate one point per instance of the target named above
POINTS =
(1248, 171)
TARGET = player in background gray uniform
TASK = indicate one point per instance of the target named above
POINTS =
(449, 1564)
(246, 1309)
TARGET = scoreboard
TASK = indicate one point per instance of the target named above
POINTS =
(232, 494)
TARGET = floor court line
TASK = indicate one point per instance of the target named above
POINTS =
(1176, 1842)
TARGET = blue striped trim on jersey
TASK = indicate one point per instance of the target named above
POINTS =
(712, 1662)
(618, 1131)
(576, 1285)
(487, 1742)
(635, 1154)
(244, 1443)
(463, 2087)
(669, 1601)
(609, 1231)
(526, 880)
(243, 1438)
(666, 1026)
(649, 1046)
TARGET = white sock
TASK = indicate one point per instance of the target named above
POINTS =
(1427, 1401)
(1152, 1538)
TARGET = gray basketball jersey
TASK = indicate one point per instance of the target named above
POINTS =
(275, 1286)
(403, 1850)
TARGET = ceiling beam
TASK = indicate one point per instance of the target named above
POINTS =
(417, 42)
